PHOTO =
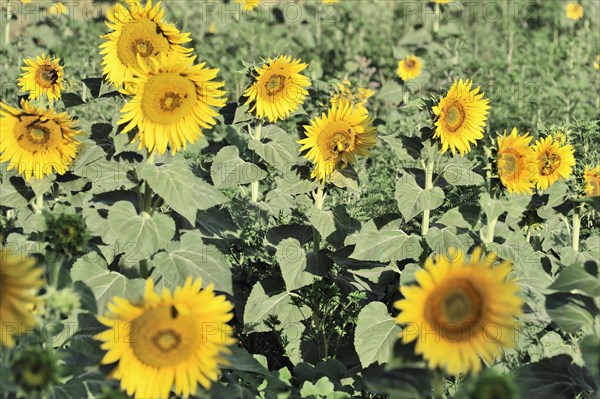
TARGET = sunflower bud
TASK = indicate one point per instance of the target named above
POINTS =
(66, 233)
(35, 369)
(491, 386)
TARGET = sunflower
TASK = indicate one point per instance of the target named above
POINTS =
(248, 5)
(137, 31)
(574, 11)
(410, 67)
(172, 103)
(460, 117)
(57, 9)
(560, 137)
(344, 92)
(441, 1)
(516, 162)
(553, 160)
(460, 312)
(278, 88)
(43, 75)
(37, 142)
(330, 1)
(174, 340)
(19, 277)
(338, 137)
(592, 181)
(597, 63)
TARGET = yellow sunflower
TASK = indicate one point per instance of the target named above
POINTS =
(248, 5)
(574, 11)
(592, 181)
(19, 278)
(43, 75)
(57, 9)
(173, 102)
(170, 341)
(410, 67)
(560, 138)
(330, 1)
(597, 63)
(344, 92)
(337, 138)
(137, 31)
(37, 142)
(441, 1)
(460, 117)
(278, 88)
(460, 311)
(516, 163)
(553, 160)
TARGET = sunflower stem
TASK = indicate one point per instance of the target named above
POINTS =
(39, 203)
(319, 198)
(254, 184)
(428, 186)
(144, 268)
(576, 227)
(491, 227)
(436, 21)
(7, 26)
(438, 385)
(148, 193)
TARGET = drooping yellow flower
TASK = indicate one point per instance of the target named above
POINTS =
(37, 142)
(174, 100)
(461, 311)
(176, 340)
(574, 11)
(248, 5)
(516, 163)
(337, 138)
(410, 67)
(553, 160)
(57, 9)
(138, 30)
(43, 75)
(592, 181)
(278, 88)
(460, 117)
(345, 92)
(19, 278)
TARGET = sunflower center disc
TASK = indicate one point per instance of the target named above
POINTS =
(508, 163)
(161, 337)
(275, 84)
(410, 64)
(168, 97)
(46, 76)
(142, 37)
(34, 136)
(550, 162)
(455, 116)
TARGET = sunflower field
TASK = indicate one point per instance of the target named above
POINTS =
(283, 199)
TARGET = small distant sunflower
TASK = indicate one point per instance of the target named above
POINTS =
(592, 181)
(19, 278)
(344, 92)
(554, 161)
(597, 63)
(173, 102)
(516, 163)
(330, 1)
(574, 11)
(171, 341)
(137, 31)
(278, 89)
(560, 138)
(248, 5)
(460, 311)
(37, 142)
(410, 68)
(57, 9)
(43, 75)
(460, 117)
(337, 138)
(441, 1)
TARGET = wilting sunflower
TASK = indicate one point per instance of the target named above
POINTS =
(37, 142)
(337, 138)
(170, 341)
(592, 181)
(574, 11)
(553, 160)
(410, 67)
(345, 92)
(137, 31)
(460, 117)
(43, 75)
(19, 278)
(460, 311)
(516, 163)
(278, 88)
(248, 5)
(173, 102)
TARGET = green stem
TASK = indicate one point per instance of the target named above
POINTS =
(39, 203)
(144, 268)
(489, 235)
(319, 198)
(438, 385)
(436, 21)
(576, 227)
(254, 185)
(148, 193)
(7, 27)
(428, 186)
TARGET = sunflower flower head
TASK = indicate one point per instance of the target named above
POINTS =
(591, 177)
(460, 117)
(278, 88)
(491, 386)
(176, 340)
(574, 11)
(410, 68)
(35, 370)
(516, 163)
(37, 142)
(345, 91)
(453, 310)
(554, 161)
(138, 30)
(43, 76)
(248, 5)
(335, 139)
(173, 102)
(19, 279)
